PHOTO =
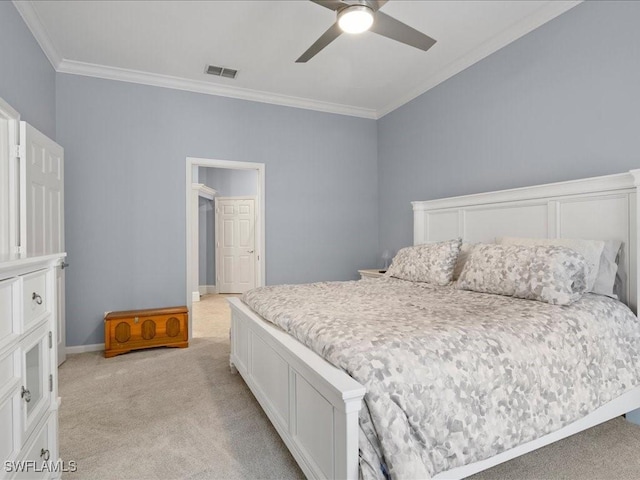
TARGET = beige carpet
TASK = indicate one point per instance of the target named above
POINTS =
(179, 413)
(168, 413)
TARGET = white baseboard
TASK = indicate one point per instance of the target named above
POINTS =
(195, 296)
(207, 289)
(96, 347)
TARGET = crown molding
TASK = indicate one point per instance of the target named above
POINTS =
(544, 14)
(35, 25)
(26, 9)
(32, 19)
(204, 191)
(177, 83)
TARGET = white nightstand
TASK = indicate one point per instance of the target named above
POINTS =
(371, 273)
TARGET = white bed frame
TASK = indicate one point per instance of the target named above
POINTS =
(314, 406)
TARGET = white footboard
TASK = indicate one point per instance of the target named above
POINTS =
(313, 405)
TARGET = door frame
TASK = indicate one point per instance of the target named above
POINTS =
(193, 163)
(218, 229)
(9, 215)
(198, 191)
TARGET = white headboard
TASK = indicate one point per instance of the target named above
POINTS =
(599, 208)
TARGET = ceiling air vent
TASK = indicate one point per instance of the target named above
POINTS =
(221, 71)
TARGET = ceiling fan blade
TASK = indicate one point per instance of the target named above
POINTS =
(376, 4)
(330, 4)
(396, 30)
(326, 38)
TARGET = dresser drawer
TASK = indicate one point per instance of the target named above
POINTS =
(41, 450)
(9, 311)
(10, 426)
(36, 302)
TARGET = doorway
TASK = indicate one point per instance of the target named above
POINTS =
(194, 167)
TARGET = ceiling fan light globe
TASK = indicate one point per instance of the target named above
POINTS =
(355, 19)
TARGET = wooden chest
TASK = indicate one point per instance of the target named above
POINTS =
(135, 329)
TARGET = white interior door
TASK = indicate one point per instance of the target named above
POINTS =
(42, 207)
(235, 244)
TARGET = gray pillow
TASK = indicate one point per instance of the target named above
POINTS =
(551, 274)
(606, 279)
(430, 263)
(591, 250)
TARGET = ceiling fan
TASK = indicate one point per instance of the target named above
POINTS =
(356, 16)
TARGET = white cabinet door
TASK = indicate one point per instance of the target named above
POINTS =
(235, 245)
(37, 381)
(42, 193)
(42, 207)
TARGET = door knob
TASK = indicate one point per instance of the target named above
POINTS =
(249, 251)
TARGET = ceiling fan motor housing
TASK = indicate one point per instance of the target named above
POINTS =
(355, 18)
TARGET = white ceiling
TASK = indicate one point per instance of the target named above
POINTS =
(169, 43)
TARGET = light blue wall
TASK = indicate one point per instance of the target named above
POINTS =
(229, 182)
(125, 151)
(241, 182)
(561, 103)
(27, 79)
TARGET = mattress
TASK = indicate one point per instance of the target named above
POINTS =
(454, 377)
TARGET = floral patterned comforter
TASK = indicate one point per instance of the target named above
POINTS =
(453, 376)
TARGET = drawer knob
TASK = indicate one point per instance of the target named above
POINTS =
(37, 298)
(26, 394)
(44, 454)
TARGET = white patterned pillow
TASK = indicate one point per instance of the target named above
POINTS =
(551, 274)
(430, 263)
(591, 250)
(463, 256)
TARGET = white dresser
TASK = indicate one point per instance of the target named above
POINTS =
(31, 298)
(28, 368)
